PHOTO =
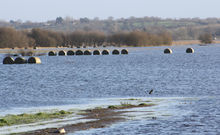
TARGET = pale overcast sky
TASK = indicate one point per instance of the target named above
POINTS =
(43, 10)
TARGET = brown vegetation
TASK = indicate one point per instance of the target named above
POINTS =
(206, 38)
(11, 38)
(181, 29)
(186, 42)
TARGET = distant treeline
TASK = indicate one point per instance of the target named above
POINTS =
(10, 38)
(180, 29)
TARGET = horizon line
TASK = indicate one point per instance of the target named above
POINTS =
(106, 18)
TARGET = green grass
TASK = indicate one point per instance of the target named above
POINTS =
(148, 101)
(113, 107)
(142, 104)
(147, 104)
(122, 105)
(132, 99)
(24, 118)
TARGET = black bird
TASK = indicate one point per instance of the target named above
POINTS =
(151, 91)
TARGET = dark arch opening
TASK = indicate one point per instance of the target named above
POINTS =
(52, 53)
(87, 52)
(8, 60)
(20, 60)
(115, 52)
(96, 52)
(34, 60)
(167, 51)
(124, 51)
(62, 53)
(79, 52)
(70, 52)
(189, 50)
(105, 52)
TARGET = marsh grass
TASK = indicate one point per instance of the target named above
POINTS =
(24, 118)
(113, 107)
(132, 99)
(123, 104)
(142, 104)
(147, 104)
(128, 105)
(147, 101)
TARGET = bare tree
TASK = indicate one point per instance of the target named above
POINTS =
(206, 38)
(9, 38)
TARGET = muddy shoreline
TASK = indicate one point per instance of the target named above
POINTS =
(101, 117)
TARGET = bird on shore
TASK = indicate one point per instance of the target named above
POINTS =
(151, 91)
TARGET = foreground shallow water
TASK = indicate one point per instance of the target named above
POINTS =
(60, 82)
(173, 116)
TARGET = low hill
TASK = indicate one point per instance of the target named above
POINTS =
(181, 29)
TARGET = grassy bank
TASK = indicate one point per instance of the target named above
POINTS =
(101, 117)
(24, 118)
(9, 120)
(128, 105)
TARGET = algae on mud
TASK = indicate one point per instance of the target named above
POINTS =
(24, 118)
(102, 117)
(128, 105)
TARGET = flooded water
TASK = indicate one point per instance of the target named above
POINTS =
(187, 83)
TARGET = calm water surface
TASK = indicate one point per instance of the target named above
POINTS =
(76, 80)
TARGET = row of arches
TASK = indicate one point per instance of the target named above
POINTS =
(169, 51)
(21, 60)
(87, 52)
